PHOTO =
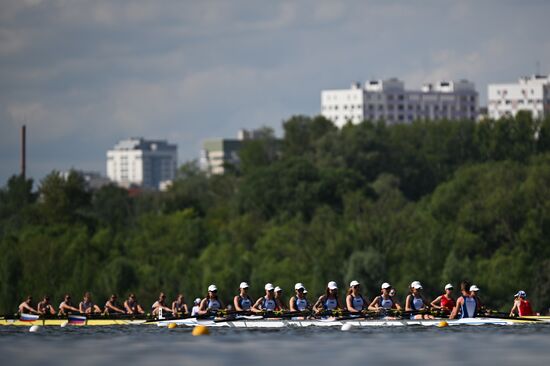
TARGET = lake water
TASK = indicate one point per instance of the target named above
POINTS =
(147, 345)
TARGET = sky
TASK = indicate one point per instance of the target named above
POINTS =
(84, 74)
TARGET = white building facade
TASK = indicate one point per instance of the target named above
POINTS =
(388, 100)
(144, 163)
(528, 94)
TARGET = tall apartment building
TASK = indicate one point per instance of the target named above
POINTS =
(528, 94)
(216, 154)
(388, 100)
(144, 163)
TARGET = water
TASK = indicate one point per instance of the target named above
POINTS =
(147, 345)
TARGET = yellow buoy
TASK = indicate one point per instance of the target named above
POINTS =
(200, 330)
(443, 324)
(172, 325)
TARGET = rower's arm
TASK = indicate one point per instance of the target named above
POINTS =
(236, 303)
(397, 305)
(349, 305)
(202, 307)
(128, 308)
(256, 307)
(52, 310)
(374, 304)
(514, 308)
(454, 313)
(291, 304)
(185, 309)
(407, 302)
(318, 304)
(435, 302)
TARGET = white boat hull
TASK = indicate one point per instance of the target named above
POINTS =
(284, 323)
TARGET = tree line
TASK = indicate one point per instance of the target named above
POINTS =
(432, 201)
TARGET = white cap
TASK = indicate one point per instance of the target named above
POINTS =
(298, 286)
(354, 283)
(305, 290)
(416, 284)
(521, 294)
(277, 289)
(212, 288)
(268, 287)
(243, 285)
(448, 286)
(332, 285)
(197, 301)
(385, 285)
(474, 288)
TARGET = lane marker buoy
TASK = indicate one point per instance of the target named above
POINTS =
(172, 325)
(346, 327)
(64, 324)
(443, 324)
(34, 329)
(200, 330)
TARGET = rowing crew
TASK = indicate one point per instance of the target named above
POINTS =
(466, 306)
(87, 306)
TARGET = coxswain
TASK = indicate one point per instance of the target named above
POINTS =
(385, 301)
(160, 304)
(466, 304)
(132, 306)
(66, 307)
(298, 302)
(279, 299)
(211, 303)
(266, 302)
(521, 307)
(196, 307)
(179, 307)
(445, 302)
(112, 306)
(355, 302)
(26, 307)
(44, 307)
(86, 306)
(328, 301)
(416, 302)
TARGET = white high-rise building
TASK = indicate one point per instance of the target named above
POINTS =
(528, 94)
(144, 163)
(389, 101)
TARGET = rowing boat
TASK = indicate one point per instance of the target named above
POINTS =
(60, 322)
(251, 322)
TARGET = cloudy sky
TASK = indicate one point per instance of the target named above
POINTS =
(84, 74)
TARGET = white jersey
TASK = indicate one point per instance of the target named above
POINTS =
(195, 310)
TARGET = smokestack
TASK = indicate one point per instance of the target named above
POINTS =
(23, 151)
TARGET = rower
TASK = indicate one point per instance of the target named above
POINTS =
(242, 301)
(160, 304)
(132, 306)
(26, 307)
(299, 302)
(44, 307)
(445, 302)
(355, 303)
(66, 307)
(385, 301)
(279, 299)
(416, 302)
(328, 301)
(267, 302)
(112, 306)
(86, 306)
(521, 305)
(466, 304)
(474, 290)
(211, 303)
(196, 307)
(179, 307)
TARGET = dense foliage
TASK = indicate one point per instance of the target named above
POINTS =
(431, 201)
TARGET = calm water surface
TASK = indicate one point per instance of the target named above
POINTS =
(147, 345)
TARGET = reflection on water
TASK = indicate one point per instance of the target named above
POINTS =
(410, 346)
